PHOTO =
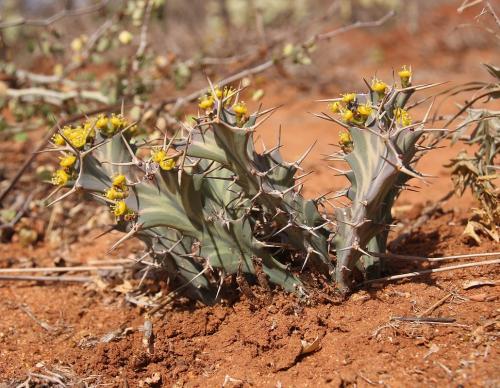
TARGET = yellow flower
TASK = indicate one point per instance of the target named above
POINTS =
(404, 73)
(119, 208)
(405, 76)
(76, 44)
(365, 110)
(348, 116)
(167, 164)
(335, 107)
(60, 177)
(125, 37)
(218, 93)
(345, 138)
(77, 136)
(109, 126)
(58, 140)
(206, 102)
(118, 121)
(158, 155)
(240, 109)
(113, 194)
(379, 86)
(89, 129)
(349, 97)
(403, 117)
(102, 122)
(67, 161)
(119, 181)
(345, 142)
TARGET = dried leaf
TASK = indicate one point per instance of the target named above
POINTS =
(310, 347)
(477, 283)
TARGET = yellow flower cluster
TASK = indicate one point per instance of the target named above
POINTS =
(77, 137)
(160, 156)
(60, 177)
(345, 141)
(119, 189)
(241, 111)
(405, 76)
(118, 192)
(207, 101)
(120, 208)
(66, 171)
(108, 126)
(379, 86)
(80, 135)
(350, 110)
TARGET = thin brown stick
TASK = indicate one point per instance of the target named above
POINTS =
(435, 306)
(429, 271)
(424, 319)
(432, 259)
(76, 279)
(39, 322)
(375, 23)
(87, 268)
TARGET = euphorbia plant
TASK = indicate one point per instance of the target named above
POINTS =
(207, 204)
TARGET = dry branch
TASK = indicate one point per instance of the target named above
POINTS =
(432, 259)
(429, 271)
(62, 269)
(77, 279)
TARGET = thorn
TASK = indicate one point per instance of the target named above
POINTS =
(53, 192)
(101, 198)
(327, 117)
(340, 172)
(363, 251)
(303, 175)
(270, 110)
(282, 229)
(299, 161)
(74, 189)
(127, 236)
(345, 249)
(257, 125)
(110, 229)
(306, 260)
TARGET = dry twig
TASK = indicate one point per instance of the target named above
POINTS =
(429, 271)
(76, 279)
(87, 268)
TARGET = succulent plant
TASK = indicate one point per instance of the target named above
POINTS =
(205, 203)
(379, 147)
